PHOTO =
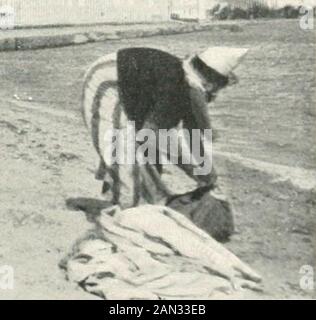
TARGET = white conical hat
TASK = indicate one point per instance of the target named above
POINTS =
(223, 59)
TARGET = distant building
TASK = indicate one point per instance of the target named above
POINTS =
(69, 12)
(23, 13)
(192, 9)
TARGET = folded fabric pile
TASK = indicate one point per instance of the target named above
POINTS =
(153, 252)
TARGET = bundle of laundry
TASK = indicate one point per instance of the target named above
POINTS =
(153, 252)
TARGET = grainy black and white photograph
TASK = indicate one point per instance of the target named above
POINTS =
(157, 150)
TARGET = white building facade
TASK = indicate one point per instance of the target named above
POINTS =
(72, 12)
(24, 13)
(192, 9)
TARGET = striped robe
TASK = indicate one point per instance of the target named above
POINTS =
(157, 91)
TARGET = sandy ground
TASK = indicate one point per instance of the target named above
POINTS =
(265, 156)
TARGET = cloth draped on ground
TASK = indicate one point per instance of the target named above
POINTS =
(153, 252)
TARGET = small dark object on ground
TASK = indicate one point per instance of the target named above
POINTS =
(211, 214)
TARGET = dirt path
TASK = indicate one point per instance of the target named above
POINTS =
(47, 161)
(41, 162)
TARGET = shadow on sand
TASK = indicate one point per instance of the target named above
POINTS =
(91, 207)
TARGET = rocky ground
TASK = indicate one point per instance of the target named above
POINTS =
(265, 155)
